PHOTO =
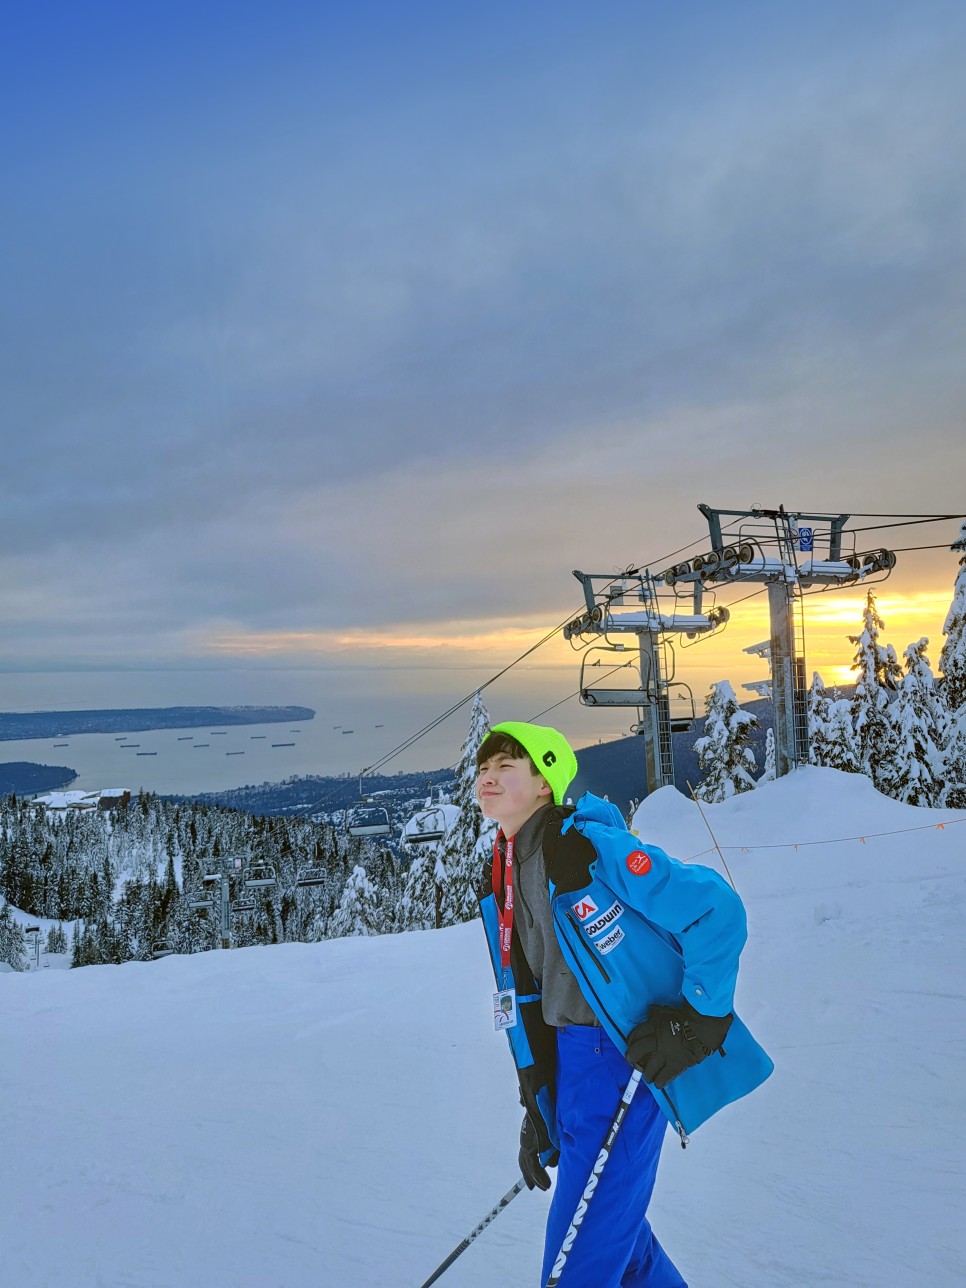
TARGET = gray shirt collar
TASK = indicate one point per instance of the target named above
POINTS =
(526, 842)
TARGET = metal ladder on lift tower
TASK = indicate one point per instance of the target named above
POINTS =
(785, 534)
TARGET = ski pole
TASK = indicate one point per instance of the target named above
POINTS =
(491, 1215)
(629, 1092)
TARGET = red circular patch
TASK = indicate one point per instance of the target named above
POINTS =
(639, 863)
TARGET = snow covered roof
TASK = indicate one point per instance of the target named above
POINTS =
(80, 800)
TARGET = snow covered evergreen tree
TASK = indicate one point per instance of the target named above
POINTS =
(359, 911)
(952, 659)
(877, 674)
(770, 772)
(724, 756)
(13, 942)
(471, 837)
(921, 723)
(840, 748)
(953, 795)
(421, 906)
(819, 705)
(57, 939)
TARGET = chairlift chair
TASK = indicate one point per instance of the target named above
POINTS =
(426, 826)
(681, 708)
(201, 904)
(161, 949)
(260, 876)
(243, 905)
(312, 877)
(368, 819)
(430, 824)
(592, 691)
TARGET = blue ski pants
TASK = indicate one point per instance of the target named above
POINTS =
(614, 1247)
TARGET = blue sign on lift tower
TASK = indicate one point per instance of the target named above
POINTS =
(806, 540)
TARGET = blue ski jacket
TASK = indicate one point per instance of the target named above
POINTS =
(637, 928)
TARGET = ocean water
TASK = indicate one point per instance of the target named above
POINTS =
(381, 708)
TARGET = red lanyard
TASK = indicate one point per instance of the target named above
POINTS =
(505, 914)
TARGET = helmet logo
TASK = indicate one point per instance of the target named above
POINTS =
(549, 758)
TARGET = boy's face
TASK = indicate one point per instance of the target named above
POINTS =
(509, 791)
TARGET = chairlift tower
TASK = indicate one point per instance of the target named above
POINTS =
(665, 705)
(777, 548)
(223, 881)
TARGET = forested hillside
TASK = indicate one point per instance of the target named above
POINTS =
(127, 876)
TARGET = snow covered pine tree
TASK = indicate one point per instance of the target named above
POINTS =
(952, 664)
(472, 835)
(359, 911)
(877, 674)
(952, 659)
(922, 726)
(726, 760)
(819, 707)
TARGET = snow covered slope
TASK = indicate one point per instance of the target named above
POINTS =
(342, 1114)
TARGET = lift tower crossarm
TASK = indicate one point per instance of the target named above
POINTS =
(836, 524)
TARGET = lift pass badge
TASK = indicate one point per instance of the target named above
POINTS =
(505, 1009)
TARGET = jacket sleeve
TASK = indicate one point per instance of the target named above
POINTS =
(689, 902)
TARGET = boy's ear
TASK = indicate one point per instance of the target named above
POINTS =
(545, 789)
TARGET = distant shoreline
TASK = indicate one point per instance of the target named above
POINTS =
(21, 725)
(24, 778)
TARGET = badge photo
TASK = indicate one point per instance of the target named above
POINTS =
(504, 1009)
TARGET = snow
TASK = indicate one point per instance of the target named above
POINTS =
(342, 1113)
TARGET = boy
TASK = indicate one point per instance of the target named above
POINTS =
(607, 957)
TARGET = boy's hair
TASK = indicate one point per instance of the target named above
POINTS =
(502, 744)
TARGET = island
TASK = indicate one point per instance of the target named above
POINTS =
(25, 778)
(18, 725)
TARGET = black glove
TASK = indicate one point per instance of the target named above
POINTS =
(672, 1039)
(533, 1173)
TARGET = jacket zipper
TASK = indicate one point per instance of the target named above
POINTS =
(685, 1138)
(599, 964)
(679, 1126)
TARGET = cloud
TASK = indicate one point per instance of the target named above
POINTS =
(385, 368)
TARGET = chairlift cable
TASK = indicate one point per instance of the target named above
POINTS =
(631, 570)
(902, 550)
(457, 706)
(570, 696)
(701, 541)
(925, 517)
(907, 523)
(403, 746)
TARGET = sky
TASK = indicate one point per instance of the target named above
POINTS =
(333, 338)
